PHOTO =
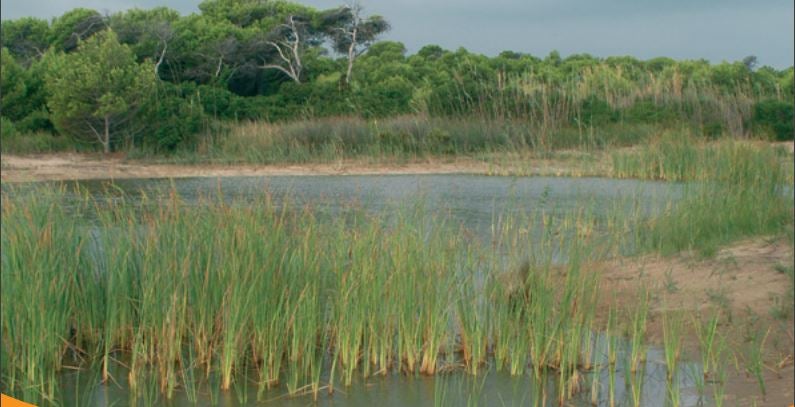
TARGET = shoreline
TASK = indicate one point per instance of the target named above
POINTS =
(91, 166)
(743, 278)
(74, 166)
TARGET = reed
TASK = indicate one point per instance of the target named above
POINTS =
(696, 373)
(755, 359)
(707, 333)
(634, 379)
(218, 293)
(42, 242)
(720, 372)
(612, 355)
(750, 179)
(637, 332)
(222, 289)
(672, 341)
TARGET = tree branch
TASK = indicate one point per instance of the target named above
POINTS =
(281, 68)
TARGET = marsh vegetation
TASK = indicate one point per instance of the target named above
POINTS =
(177, 296)
(196, 298)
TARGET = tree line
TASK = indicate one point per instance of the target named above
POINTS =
(154, 79)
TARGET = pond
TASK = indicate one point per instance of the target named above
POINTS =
(395, 390)
(475, 202)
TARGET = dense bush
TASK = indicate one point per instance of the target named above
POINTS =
(596, 111)
(175, 122)
(220, 64)
(215, 101)
(7, 128)
(776, 117)
(646, 111)
(36, 121)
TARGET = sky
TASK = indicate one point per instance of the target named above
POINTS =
(715, 30)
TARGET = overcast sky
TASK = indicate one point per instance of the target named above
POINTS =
(683, 29)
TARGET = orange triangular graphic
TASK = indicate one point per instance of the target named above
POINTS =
(6, 401)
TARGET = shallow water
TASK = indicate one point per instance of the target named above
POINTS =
(395, 390)
(475, 202)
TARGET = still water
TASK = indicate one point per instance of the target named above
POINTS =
(474, 202)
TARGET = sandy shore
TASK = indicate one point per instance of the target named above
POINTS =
(744, 280)
(70, 166)
(78, 166)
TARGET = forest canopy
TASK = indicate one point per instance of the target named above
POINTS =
(168, 78)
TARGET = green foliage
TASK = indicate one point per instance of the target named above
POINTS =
(226, 59)
(596, 111)
(98, 91)
(24, 95)
(384, 98)
(74, 26)
(37, 121)
(147, 32)
(775, 116)
(176, 120)
(787, 85)
(26, 38)
(729, 76)
(646, 111)
(734, 190)
(36, 143)
(7, 129)
(13, 86)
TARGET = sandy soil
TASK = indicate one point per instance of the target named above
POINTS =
(77, 166)
(745, 281)
(740, 278)
(69, 166)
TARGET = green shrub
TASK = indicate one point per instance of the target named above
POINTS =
(176, 122)
(390, 97)
(249, 108)
(215, 101)
(776, 117)
(712, 129)
(647, 111)
(36, 121)
(34, 143)
(595, 111)
(7, 128)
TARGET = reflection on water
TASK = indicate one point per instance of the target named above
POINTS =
(476, 202)
(395, 390)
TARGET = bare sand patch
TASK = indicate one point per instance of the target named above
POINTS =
(70, 166)
(744, 280)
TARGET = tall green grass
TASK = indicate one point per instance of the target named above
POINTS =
(35, 143)
(173, 294)
(395, 139)
(732, 190)
(170, 296)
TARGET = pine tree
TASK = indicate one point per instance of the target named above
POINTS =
(99, 90)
